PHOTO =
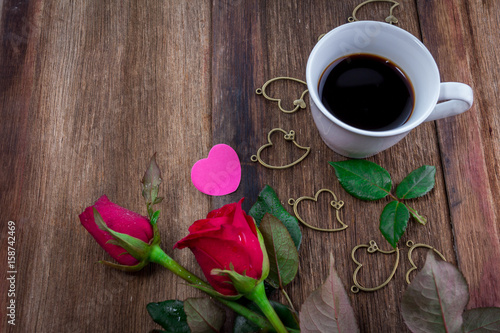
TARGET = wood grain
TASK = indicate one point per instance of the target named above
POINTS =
(469, 143)
(90, 90)
(107, 93)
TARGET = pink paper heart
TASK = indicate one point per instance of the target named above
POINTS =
(219, 173)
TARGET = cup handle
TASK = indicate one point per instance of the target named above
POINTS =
(455, 98)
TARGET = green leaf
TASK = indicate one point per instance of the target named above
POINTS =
(151, 182)
(155, 217)
(482, 320)
(436, 298)
(170, 315)
(327, 309)
(417, 183)
(243, 325)
(393, 221)
(363, 179)
(268, 202)
(283, 256)
(203, 316)
(287, 316)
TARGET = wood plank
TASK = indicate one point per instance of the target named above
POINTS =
(113, 83)
(236, 55)
(20, 32)
(469, 143)
(275, 41)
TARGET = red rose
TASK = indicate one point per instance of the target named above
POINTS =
(227, 239)
(120, 220)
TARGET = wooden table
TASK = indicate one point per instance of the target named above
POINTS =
(89, 90)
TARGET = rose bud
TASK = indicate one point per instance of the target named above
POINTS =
(125, 235)
(228, 241)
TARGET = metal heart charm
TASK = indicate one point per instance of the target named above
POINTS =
(334, 203)
(391, 19)
(298, 103)
(288, 136)
(412, 247)
(371, 247)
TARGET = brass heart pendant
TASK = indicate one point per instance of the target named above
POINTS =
(412, 247)
(371, 247)
(289, 136)
(391, 19)
(298, 103)
(334, 203)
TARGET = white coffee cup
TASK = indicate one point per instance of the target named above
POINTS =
(402, 49)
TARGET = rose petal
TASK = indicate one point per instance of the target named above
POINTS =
(220, 283)
(209, 224)
(226, 210)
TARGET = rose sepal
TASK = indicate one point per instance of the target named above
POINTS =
(242, 283)
(125, 268)
(214, 293)
(254, 289)
(265, 258)
(153, 218)
(156, 233)
(135, 247)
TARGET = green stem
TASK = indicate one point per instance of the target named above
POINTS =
(258, 296)
(158, 256)
(287, 298)
(393, 196)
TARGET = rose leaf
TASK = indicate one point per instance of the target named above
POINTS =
(287, 316)
(203, 316)
(243, 325)
(436, 298)
(393, 221)
(328, 308)
(283, 256)
(268, 202)
(482, 320)
(417, 183)
(363, 179)
(170, 315)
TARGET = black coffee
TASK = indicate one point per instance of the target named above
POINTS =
(368, 92)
